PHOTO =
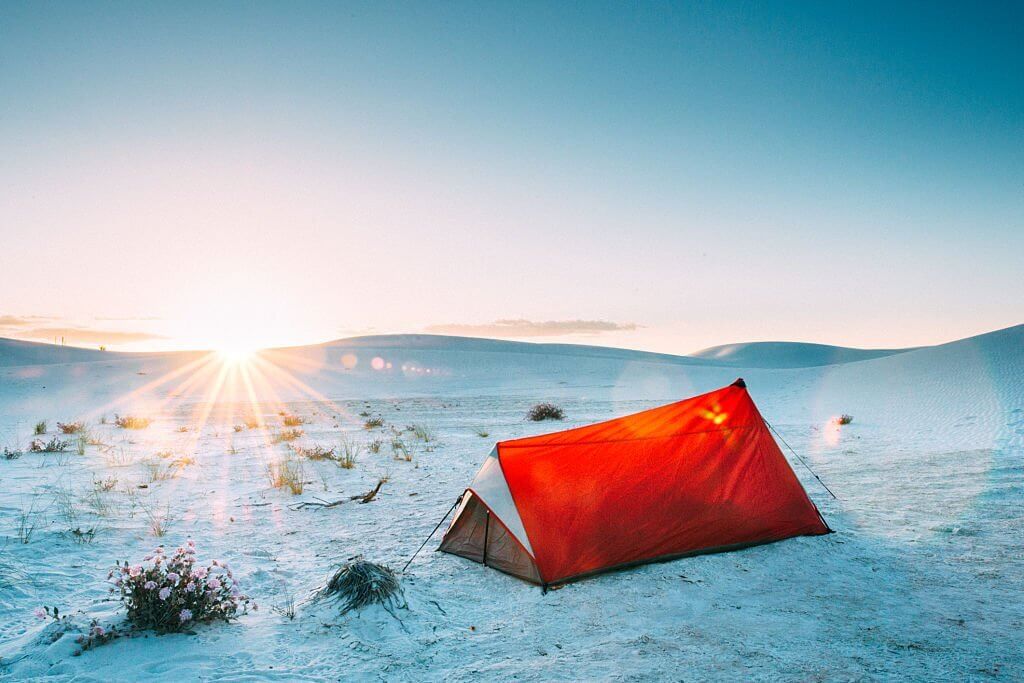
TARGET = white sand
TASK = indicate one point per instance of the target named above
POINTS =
(924, 579)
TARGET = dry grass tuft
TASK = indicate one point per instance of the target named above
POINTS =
(360, 584)
(71, 427)
(132, 422)
(287, 473)
(286, 435)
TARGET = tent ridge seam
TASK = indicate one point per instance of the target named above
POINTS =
(512, 444)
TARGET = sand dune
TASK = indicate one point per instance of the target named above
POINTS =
(922, 580)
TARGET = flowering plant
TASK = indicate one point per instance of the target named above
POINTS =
(170, 593)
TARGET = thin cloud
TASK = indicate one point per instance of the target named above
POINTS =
(83, 335)
(532, 328)
(21, 320)
(129, 317)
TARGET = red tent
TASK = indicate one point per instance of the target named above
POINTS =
(698, 476)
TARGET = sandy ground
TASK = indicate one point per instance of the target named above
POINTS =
(923, 580)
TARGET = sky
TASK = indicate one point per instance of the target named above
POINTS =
(647, 175)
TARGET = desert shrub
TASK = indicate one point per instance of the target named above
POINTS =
(158, 521)
(374, 446)
(158, 472)
(40, 427)
(132, 422)
(54, 445)
(170, 594)
(286, 435)
(315, 452)
(292, 420)
(80, 535)
(359, 584)
(239, 428)
(349, 455)
(287, 473)
(71, 427)
(182, 429)
(844, 419)
(104, 485)
(482, 433)
(251, 423)
(400, 451)
(424, 434)
(545, 411)
(374, 422)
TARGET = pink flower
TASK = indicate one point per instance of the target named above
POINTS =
(172, 577)
(158, 559)
(200, 572)
(165, 593)
(39, 612)
(98, 630)
(185, 615)
(213, 584)
(149, 585)
(191, 543)
(135, 571)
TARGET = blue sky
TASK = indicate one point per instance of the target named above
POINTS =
(690, 174)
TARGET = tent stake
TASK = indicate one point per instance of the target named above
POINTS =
(427, 539)
(800, 459)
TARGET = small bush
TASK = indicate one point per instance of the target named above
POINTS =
(359, 584)
(54, 445)
(40, 427)
(545, 411)
(374, 446)
(132, 422)
(239, 428)
(292, 420)
(11, 455)
(251, 423)
(315, 452)
(482, 433)
(844, 419)
(286, 435)
(172, 594)
(182, 429)
(374, 422)
(71, 427)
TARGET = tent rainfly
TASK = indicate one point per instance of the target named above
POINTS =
(699, 476)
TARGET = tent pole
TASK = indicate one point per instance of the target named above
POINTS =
(487, 528)
(427, 539)
(804, 463)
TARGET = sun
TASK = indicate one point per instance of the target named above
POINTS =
(235, 354)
